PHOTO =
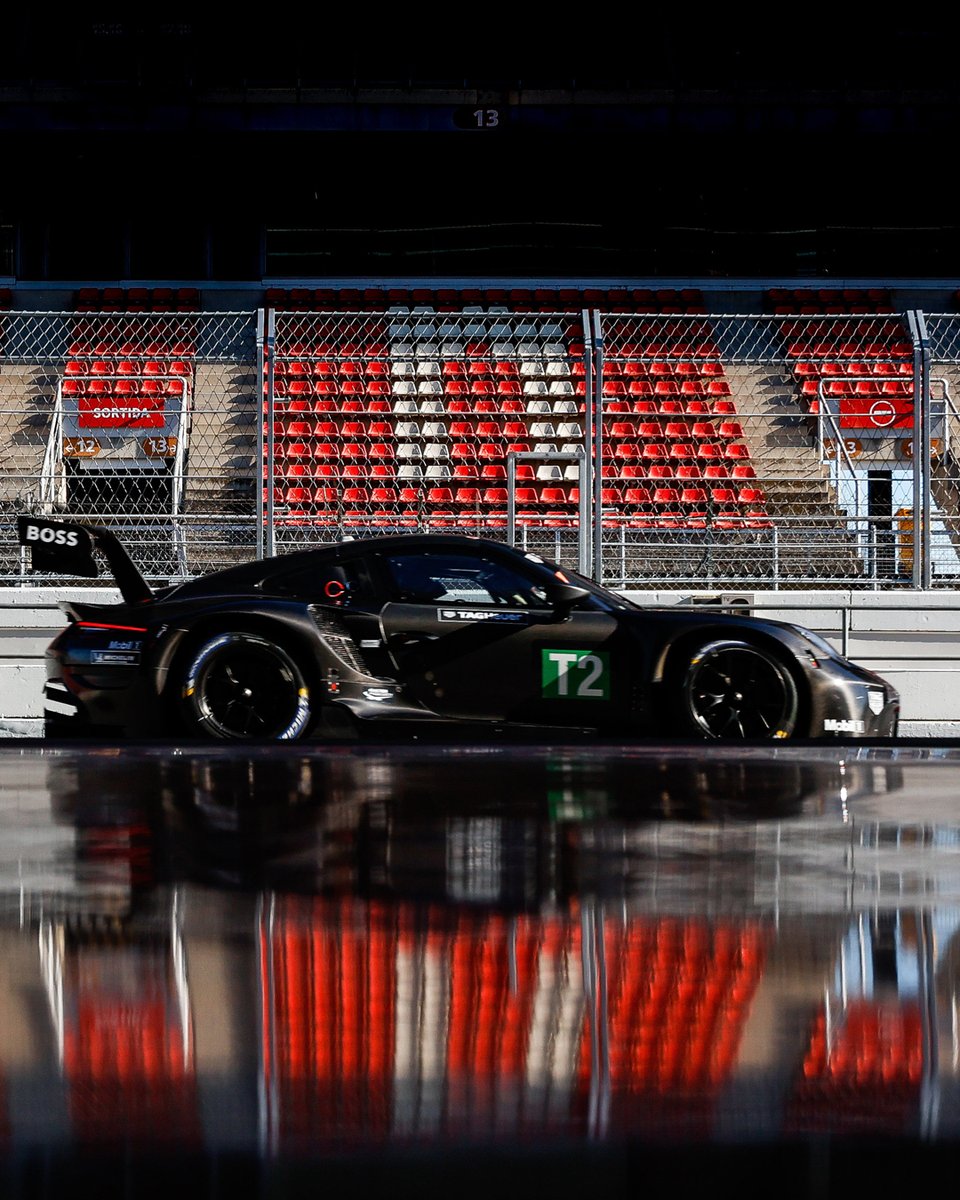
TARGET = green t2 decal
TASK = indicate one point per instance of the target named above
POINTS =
(575, 674)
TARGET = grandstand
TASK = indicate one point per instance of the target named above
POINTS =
(638, 433)
(684, 384)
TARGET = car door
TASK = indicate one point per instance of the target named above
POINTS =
(473, 636)
(348, 600)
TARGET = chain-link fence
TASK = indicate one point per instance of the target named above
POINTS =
(420, 420)
(676, 449)
(145, 422)
(761, 451)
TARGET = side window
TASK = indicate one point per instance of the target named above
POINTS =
(341, 584)
(460, 579)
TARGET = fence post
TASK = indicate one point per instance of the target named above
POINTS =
(921, 573)
(266, 337)
(593, 345)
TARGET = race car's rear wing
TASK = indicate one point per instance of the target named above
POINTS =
(67, 548)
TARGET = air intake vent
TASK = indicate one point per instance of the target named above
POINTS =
(334, 632)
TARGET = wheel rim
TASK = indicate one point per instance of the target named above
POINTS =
(740, 692)
(247, 690)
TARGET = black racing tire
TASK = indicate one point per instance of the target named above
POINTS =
(732, 689)
(238, 686)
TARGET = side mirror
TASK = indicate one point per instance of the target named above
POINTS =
(562, 597)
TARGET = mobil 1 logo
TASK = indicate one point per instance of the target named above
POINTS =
(575, 674)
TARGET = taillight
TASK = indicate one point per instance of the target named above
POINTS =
(105, 625)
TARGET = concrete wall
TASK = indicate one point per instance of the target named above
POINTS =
(29, 618)
(911, 638)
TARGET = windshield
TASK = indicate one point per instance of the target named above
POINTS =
(568, 575)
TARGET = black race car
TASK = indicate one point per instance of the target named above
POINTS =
(417, 633)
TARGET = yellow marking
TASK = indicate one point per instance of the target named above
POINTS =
(189, 691)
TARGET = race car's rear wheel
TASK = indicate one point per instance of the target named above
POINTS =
(733, 689)
(239, 685)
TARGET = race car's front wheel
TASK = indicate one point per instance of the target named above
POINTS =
(733, 689)
(239, 685)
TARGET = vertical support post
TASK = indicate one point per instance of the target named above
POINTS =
(920, 458)
(585, 542)
(926, 454)
(512, 498)
(266, 338)
(593, 427)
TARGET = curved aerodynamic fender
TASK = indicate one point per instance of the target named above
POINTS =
(292, 621)
(707, 628)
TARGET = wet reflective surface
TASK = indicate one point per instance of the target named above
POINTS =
(561, 969)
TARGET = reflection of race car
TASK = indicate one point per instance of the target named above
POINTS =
(433, 632)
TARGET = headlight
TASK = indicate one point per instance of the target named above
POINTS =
(876, 700)
(824, 648)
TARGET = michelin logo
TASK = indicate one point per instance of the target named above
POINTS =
(51, 537)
